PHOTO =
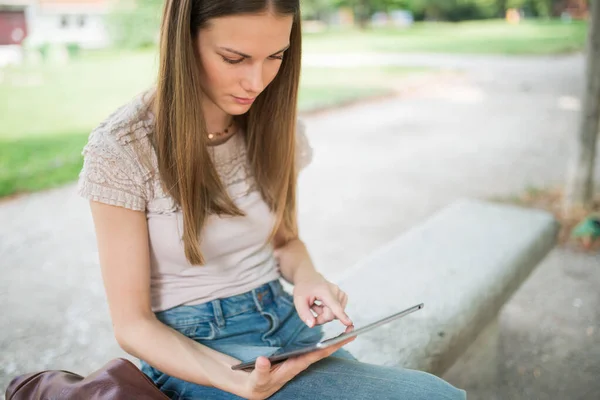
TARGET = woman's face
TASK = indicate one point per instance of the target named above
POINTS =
(240, 56)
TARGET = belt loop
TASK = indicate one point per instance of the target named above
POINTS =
(218, 313)
(276, 289)
(257, 301)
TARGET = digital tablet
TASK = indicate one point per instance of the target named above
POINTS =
(287, 352)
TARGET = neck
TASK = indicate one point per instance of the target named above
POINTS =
(216, 119)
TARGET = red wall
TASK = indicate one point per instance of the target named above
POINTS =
(13, 28)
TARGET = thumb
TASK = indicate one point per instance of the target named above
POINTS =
(261, 373)
(303, 309)
(262, 365)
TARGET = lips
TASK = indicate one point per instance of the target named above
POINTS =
(244, 100)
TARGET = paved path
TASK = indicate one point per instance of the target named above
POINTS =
(379, 168)
(500, 125)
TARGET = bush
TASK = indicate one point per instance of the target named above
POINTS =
(44, 50)
(135, 25)
(445, 10)
(456, 10)
(73, 49)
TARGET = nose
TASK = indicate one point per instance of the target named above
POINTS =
(253, 80)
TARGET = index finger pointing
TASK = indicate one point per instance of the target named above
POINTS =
(337, 310)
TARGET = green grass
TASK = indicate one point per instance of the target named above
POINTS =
(48, 111)
(35, 163)
(318, 98)
(52, 99)
(484, 37)
(327, 87)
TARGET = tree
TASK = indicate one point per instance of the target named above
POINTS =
(539, 8)
(580, 184)
(134, 23)
(315, 9)
(446, 10)
(363, 9)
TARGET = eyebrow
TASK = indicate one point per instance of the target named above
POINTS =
(247, 56)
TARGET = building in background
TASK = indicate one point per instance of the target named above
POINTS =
(46, 23)
(80, 22)
(13, 30)
(13, 25)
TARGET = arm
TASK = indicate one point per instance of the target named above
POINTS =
(122, 237)
(293, 257)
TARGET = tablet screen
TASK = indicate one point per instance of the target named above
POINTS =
(291, 351)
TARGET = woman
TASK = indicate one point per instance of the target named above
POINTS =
(192, 188)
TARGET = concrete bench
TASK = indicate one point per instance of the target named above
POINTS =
(464, 263)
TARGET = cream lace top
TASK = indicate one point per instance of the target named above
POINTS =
(238, 257)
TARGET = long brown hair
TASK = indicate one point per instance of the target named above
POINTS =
(185, 167)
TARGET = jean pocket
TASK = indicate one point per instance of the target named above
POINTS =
(199, 331)
(286, 298)
(190, 321)
(196, 330)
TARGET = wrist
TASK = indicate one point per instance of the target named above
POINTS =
(305, 273)
(216, 367)
(294, 262)
(231, 381)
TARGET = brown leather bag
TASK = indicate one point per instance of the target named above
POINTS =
(119, 379)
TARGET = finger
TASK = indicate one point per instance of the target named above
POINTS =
(295, 365)
(303, 309)
(326, 316)
(289, 369)
(262, 370)
(317, 309)
(343, 300)
(336, 290)
(337, 309)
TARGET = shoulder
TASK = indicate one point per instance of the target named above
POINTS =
(130, 124)
(114, 169)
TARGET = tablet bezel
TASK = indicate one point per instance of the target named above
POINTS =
(323, 344)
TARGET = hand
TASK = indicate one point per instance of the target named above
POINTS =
(314, 287)
(265, 380)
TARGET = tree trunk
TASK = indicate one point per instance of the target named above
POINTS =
(580, 184)
(362, 13)
(502, 8)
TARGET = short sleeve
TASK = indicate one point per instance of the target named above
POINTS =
(304, 152)
(110, 173)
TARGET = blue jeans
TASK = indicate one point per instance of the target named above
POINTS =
(263, 320)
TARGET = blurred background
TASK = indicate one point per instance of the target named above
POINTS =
(66, 64)
(410, 104)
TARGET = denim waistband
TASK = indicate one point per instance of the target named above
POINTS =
(219, 310)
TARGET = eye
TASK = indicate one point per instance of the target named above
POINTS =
(277, 57)
(231, 61)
